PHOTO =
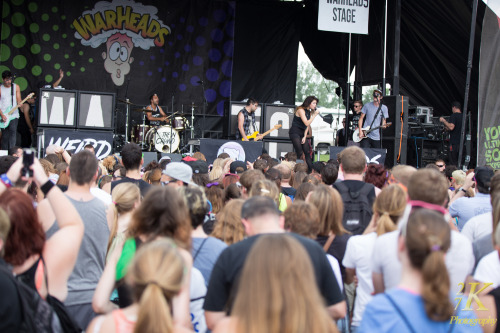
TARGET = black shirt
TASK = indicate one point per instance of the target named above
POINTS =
(337, 249)
(342, 137)
(225, 275)
(298, 123)
(143, 186)
(10, 305)
(456, 119)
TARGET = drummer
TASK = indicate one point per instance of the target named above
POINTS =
(156, 116)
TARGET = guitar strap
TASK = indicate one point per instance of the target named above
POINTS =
(376, 114)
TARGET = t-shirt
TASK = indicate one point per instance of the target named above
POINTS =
(205, 252)
(370, 110)
(10, 305)
(336, 270)
(337, 248)
(197, 292)
(358, 256)
(143, 186)
(482, 246)
(467, 208)
(227, 270)
(381, 316)
(488, 269)
(289, 191)
(478, 226)
(456, 119)
(101, 195)
(459, 259)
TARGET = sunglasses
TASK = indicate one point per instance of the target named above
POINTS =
(440, 165)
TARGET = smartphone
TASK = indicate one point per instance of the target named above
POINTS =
(28, 158)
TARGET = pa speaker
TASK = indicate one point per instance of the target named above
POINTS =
(149, 156)
(396, 151)
(278, 115)
(231, 111)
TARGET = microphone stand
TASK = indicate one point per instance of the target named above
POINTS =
(205, 103)
(171, 124)
(127, 116)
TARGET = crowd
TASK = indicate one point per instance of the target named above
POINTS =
(263, 246)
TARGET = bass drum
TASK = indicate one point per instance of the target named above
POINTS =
(165, 139)
(139, 132)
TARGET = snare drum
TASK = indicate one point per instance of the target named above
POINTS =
(166, 139)
(138, 135)
(179, 123)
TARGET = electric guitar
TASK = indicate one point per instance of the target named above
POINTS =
(10, 110)
(366, 130)
(256, 133)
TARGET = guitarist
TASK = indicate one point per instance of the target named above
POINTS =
(376, 114)
(10, 96)
(246, 120)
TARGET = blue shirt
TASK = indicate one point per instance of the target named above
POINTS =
(467, 208)
(370, 110)
(381, 316)
(207, 251)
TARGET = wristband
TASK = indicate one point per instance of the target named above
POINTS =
(463, 190)
(45, 188)
(5, 180)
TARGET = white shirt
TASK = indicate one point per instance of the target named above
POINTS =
(102, 195)
(336, 270)
(478, 226)
(488, 269)
(459, 260)
(358, 256)
(197, 293)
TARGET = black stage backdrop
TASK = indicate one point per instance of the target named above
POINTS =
(266, 50)
(163, 47)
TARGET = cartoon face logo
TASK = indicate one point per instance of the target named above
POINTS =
(117, 60)
(234, 149)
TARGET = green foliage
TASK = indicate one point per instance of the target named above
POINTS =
(310, 82)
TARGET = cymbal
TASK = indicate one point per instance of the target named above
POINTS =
(143, 110)
(124, 101)
(191, 105)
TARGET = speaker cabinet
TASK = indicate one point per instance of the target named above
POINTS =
(278, 115)
(58, 108)
(96, 110)
(278, 148)
(231, 112)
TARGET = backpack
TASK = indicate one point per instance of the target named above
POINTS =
(37, 315)
(357, 207)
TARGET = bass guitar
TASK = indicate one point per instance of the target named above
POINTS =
(256, 133)
(10, 110)
(366, 130)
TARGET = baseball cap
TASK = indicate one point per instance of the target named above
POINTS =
(237, 164)
(180, 171)
(198, 166)
(483, 175)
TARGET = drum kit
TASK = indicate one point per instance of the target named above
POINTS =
(164, 138)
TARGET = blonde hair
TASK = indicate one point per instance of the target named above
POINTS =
(217, 169)
(427, 238)
(124, 197)
(229, 227)
(155, 276)
(266, 188)
(330, 208)
(389, 205)
(278, 291)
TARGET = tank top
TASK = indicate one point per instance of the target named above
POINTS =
(156, 114)
(7, 100)
(298, 123)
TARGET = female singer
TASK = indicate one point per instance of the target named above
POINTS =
(303, 117)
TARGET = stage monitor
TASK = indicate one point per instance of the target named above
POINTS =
(58, 108)
(232, 110)
(96, 110)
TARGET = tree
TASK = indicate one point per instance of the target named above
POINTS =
(311, 82)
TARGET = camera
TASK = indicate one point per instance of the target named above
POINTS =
(28, 158)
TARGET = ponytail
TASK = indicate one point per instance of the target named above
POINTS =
(385, 224)
(436, 286)
(114, 226)
(154, 311)
(427, 238)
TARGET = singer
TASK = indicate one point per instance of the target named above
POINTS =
(374, 118)
(156, 116)
(303, 117)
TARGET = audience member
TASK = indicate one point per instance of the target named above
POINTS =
(132, 161)
(376, 174)
(228, 227)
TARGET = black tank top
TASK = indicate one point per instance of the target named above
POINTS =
(297, 122)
